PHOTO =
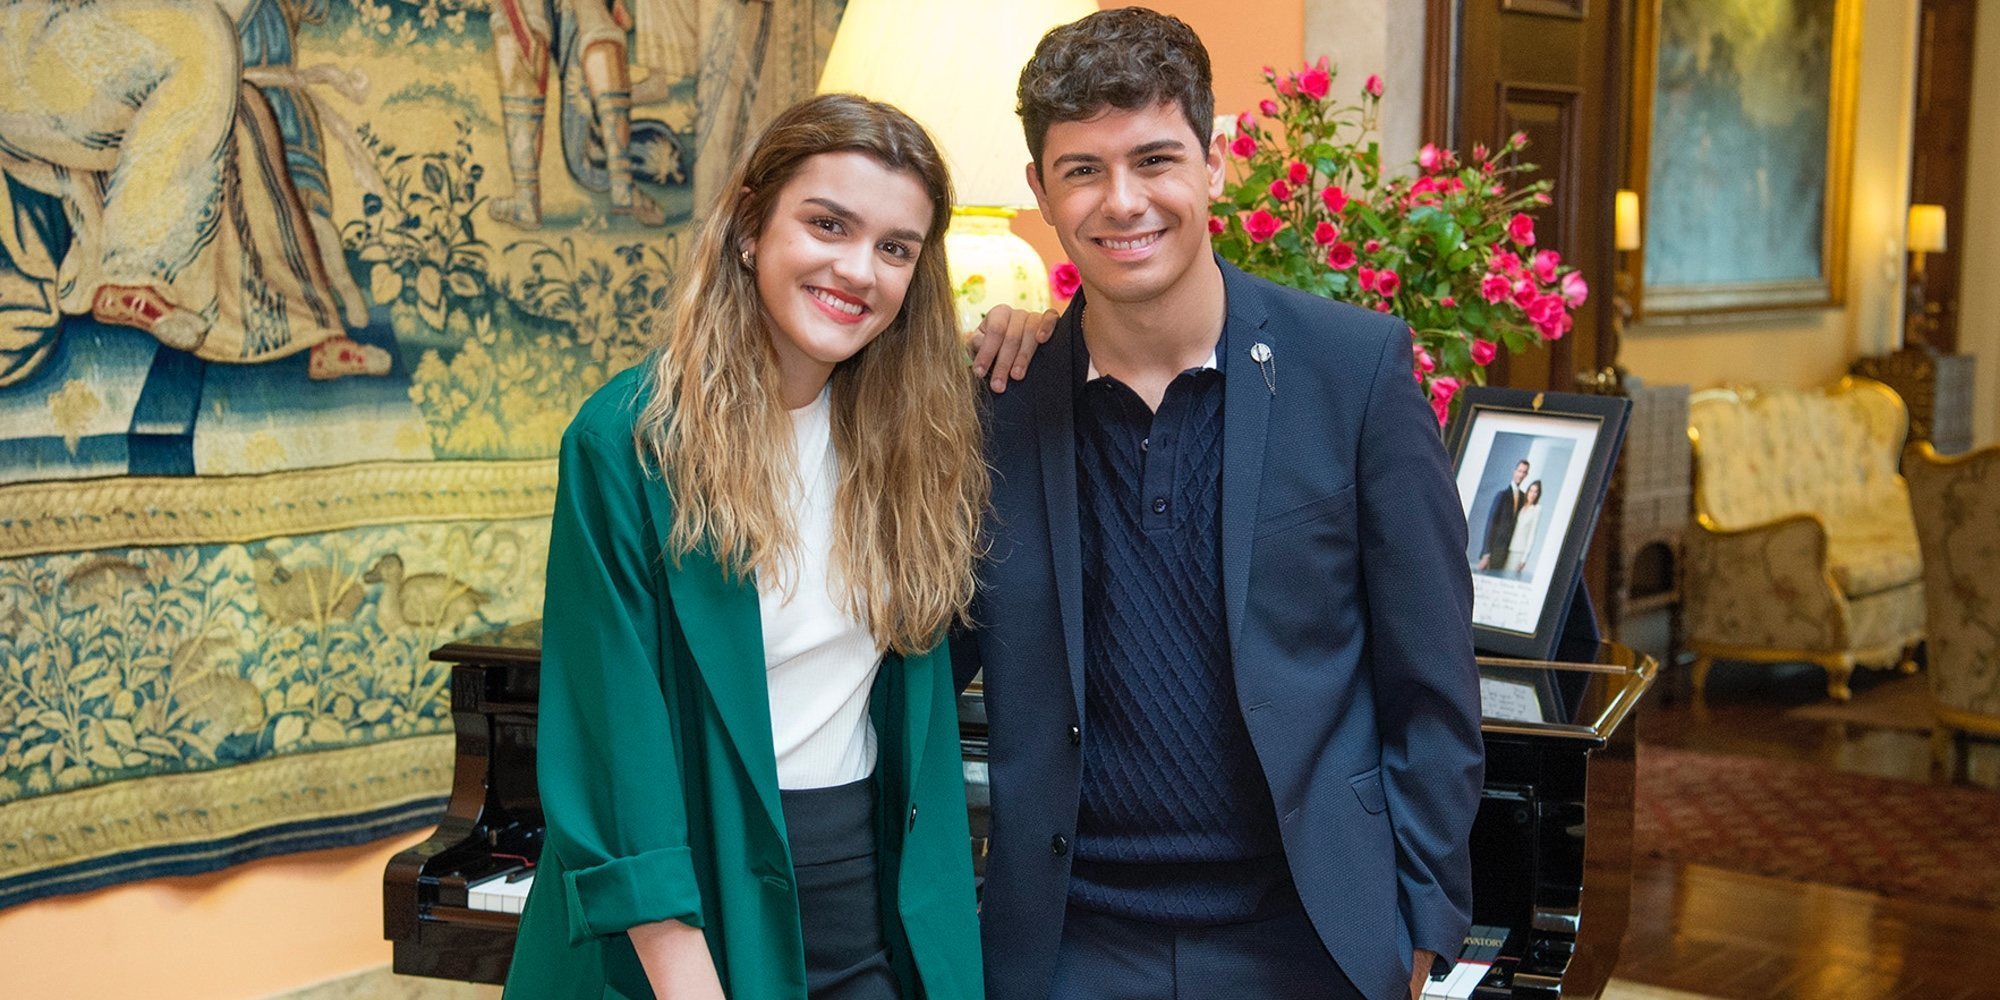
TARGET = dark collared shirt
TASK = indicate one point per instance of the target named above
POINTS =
(1176, 823)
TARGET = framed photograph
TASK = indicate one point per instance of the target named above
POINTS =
(1744, 141)
(1532, 470)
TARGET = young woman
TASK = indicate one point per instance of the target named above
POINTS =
(748, 738)
(1527, 525)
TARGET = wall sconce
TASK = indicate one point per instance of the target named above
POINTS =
(953, 67)
(1626, 237)
(1627, 221)
(1926, 236)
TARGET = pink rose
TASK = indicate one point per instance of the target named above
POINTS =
(1387, 281)
(1574, 291)
(1425, 363)
(1281, 191)
(1298, 173)
(1524, 292)
(1216, 225)
(1367, 277)
(1504, 262)
(1494, 287)
(1521, 229)
(1372, 246)
(1382, 306)
(1270, 73)
(1262, 225)
(1244, 147)
(1518, 140)
(1268, 107)
(1448, 302)
(1325, 233)
(1288, 86)
(1315, 83)
(1546, 312)
(1479, 151)
(1334, 199)
(1443, 389)
(1442, 409)
(1064, 280)
(1428, 157)
(1341, 257)
(1484, 351)
(1245, 123)
(1545, 265)
(1372, 86)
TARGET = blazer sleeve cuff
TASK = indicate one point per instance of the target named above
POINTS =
(1435, 925)
(623, 893)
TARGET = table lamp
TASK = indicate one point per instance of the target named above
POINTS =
(953, 66)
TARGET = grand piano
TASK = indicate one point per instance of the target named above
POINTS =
(1551, 848)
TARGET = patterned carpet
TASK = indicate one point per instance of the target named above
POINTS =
(1806, 823)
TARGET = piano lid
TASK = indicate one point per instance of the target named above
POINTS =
(1585, 702)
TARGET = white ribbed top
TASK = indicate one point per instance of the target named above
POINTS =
(819, 661)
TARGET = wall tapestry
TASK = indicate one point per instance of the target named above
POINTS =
(296, 299)
(1746, 122)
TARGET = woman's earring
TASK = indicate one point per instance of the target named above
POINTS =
(749, 260)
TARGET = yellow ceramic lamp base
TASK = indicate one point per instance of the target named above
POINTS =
(991, 266)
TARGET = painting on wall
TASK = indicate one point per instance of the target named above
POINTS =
(296, 299)
(1745, 113)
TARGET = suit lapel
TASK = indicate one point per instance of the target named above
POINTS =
(919, 678)
(1055, 434)
(1246, 412)
(725, 632)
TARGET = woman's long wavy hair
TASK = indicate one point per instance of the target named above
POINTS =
(913, 482)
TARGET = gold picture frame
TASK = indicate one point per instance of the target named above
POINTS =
(1657, 299)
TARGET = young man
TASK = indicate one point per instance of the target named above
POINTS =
(1225, 624)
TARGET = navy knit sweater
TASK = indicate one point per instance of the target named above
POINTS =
(1176, 823)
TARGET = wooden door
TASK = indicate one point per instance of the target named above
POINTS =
(1938, 154)
(1552, 69)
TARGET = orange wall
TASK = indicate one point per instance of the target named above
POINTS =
(248, 932)
(271, 926)
(1242, 38)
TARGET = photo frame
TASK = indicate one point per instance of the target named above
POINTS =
(1532, 470)
(1742, 151)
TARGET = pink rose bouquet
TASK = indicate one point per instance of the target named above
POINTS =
(1449, 245)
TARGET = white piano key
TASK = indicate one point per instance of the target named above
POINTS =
(497, 895)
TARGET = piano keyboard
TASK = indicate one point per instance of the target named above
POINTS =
(498, 894)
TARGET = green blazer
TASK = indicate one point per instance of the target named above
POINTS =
(657, 771)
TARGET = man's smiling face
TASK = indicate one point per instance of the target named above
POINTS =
(1128, 193)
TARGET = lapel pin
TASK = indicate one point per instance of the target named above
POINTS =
(1260, 352)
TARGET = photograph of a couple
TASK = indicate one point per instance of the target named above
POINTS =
(1523, 474)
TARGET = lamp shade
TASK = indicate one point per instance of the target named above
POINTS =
(1627, 220)
(1926, 228)
(952, 66)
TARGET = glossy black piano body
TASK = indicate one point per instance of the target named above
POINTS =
(1551, 846)
(493, 820)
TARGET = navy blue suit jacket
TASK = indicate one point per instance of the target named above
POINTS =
(1348, 604)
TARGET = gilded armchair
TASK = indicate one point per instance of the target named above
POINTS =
(1804, 549)
(1957, 504)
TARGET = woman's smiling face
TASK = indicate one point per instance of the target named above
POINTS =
(835, 259)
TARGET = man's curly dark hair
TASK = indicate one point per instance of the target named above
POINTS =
(1125, 58)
